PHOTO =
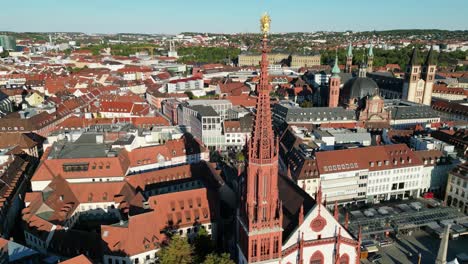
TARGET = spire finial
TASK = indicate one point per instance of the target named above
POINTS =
(336, 213)
(265, 21)
(301, 214)
(318, 195)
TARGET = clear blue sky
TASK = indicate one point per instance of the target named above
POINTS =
(174, 16)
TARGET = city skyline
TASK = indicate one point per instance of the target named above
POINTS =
(157, 17)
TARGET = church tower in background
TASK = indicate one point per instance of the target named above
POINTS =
(349, 59)
(334, 85)
(419, 81)
(428, 75)
(370, 59)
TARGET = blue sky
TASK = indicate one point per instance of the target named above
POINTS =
(174, 16)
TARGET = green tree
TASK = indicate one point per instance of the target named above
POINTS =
(190, 95)
(203, 245)
(218, 259)
(178, 250)
(4, 54)
(306, 104)
(240, 156)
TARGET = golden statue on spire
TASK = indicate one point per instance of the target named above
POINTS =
(265, 24)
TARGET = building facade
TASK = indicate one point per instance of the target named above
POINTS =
(419, 80)
(456, 194)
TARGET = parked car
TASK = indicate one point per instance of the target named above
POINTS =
(374, 258)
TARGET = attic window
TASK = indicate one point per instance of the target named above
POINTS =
(71, 167)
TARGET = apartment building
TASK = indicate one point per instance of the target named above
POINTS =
(456, 194)
(370, 174)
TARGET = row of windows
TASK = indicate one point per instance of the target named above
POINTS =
(12, 128)
(459, 181)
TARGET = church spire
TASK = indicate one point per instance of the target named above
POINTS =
(370, 59)
(414, 60)
(350, 50)
(430, 59)
(349, 58)
(261, 213)
(370, 53)
(263, 141)
(336, 69)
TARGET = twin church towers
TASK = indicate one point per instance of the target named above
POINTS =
(417, 86)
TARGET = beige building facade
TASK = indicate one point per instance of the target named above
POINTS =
(297, 61)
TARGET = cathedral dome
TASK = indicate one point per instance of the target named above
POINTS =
(359, 87)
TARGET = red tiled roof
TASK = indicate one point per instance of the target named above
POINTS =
(100, 192)
(234, 88)
(184, 207)
(389, 156)
(171, 149)
(104, 167)
(124, 107)
(81, 259)
(429, 155)
(141, 234)
(242, 100)
(134, 69)
(126, 98)
(443, 89)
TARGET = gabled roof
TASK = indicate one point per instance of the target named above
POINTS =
(141, 233)
(22, 140)
(81, 259)
(98, 167)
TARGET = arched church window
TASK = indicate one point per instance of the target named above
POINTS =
(344, 259)
(317, 258)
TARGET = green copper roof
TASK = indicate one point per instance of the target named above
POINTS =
(371, 53)
(336, 69)
(350, 50)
